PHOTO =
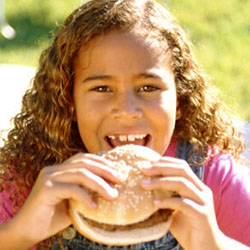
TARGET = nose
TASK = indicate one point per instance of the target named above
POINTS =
(126, 106)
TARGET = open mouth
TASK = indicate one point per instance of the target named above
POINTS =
(120, 140)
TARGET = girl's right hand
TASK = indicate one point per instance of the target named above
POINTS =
(45, 210)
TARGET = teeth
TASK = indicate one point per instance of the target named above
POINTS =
(127, 138)
(123, 138)
(131, 138)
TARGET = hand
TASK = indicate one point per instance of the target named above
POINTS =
(194, 223)
(45, 211)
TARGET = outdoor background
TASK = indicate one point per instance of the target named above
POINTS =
(219, 30)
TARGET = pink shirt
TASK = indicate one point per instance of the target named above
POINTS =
(231, 189)
(229, 183)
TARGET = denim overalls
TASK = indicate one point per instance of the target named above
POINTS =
(74, 241)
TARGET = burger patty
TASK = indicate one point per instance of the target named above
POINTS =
(159, 216)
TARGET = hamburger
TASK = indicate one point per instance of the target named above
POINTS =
(131, 218)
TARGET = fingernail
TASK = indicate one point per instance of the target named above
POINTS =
(157, 202)
(112, 163)
(113, 193)
(146, 182)
(120, 176)
(93, 205)
(147, 168)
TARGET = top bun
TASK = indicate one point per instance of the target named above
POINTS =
(134, 204)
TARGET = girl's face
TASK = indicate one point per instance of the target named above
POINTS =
(124, 93)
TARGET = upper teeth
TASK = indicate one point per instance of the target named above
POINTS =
(127, 137)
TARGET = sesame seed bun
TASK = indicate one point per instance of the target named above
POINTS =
(132, 217)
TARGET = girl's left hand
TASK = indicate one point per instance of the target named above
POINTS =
(194, 223)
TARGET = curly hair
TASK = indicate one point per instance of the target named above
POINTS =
(45, 132)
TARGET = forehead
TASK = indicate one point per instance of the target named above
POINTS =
(127, 48)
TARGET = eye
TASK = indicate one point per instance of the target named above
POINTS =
(101, 89)
(148, 88)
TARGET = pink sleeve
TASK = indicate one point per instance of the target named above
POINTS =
(230, 185)
(7, 210)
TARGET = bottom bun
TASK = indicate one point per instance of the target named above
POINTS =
(119, 238)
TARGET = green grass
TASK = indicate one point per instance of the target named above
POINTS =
(219, 30)
(35, 23)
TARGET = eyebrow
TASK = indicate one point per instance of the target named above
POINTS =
(151, 75)
(144, 75)
(97, 77)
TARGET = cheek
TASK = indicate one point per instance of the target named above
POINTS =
(166, 115)
(88, 127)
(86, 108)
(164, 118)
(89, 116)
(167, 105)
(161, 110)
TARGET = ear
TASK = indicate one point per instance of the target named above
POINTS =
(178, 112)
(74, 118)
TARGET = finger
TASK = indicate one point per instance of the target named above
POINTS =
(103, 168)
(184, 205)
(96, 164)
(182, 186)
(94, 157)
(169, 166)
(62, 191)
(86, 178)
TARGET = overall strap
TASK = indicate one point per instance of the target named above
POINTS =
(185, 150)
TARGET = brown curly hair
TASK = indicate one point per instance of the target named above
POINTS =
(45, 132)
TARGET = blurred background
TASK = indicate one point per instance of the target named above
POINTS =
(219, 30)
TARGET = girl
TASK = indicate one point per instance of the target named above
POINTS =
(119, 72)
